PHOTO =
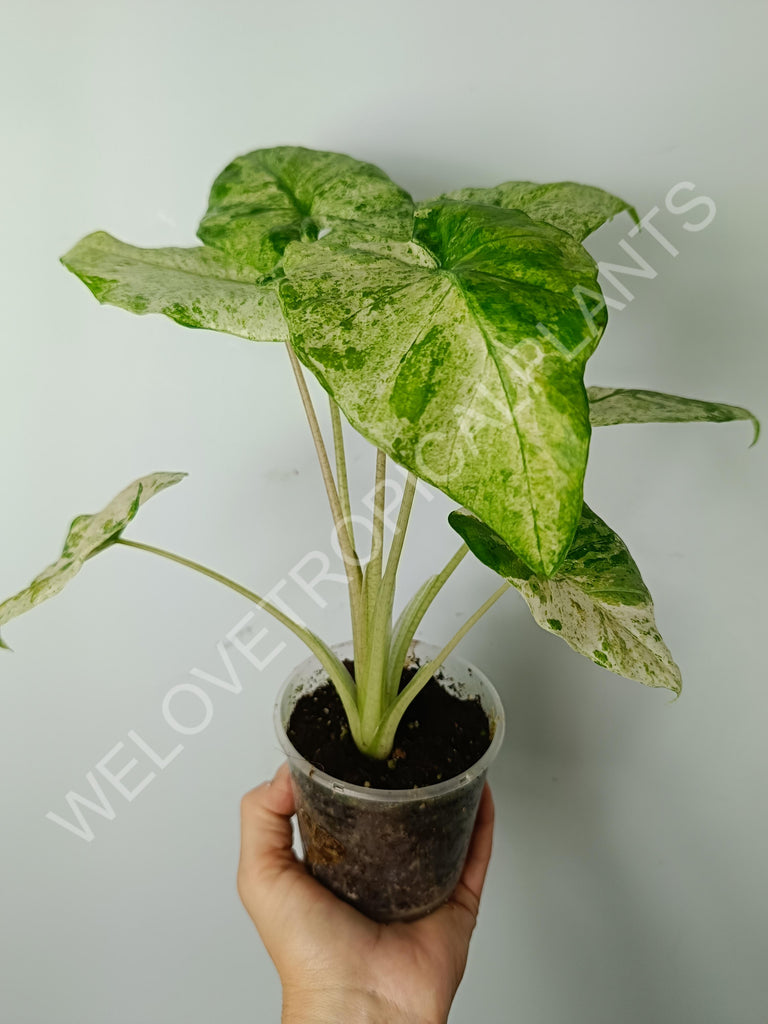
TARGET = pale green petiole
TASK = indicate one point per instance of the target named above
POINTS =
(373, 570)
(385, 735)
(410, 619)
(374, 692)
(338, 674)
(378, 654)
(373, 735)
(349, 555)
(341, 469)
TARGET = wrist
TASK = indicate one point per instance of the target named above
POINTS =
(342, 1006)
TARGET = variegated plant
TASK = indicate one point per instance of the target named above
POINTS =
(452, 334)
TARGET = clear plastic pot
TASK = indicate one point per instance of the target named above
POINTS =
(395, 854)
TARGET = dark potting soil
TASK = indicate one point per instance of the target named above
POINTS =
(439, 736)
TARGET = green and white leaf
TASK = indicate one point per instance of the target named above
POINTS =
(577, 209)
(609, 406)
(270, 197)
(198, 287)
(596, 601)
(87, 535)
(465, 364)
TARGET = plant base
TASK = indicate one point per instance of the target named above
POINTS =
(394, 854)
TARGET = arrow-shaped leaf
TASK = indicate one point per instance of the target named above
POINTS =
(464, 361)
(609, 406)
(596, 601)
(87, 535)
(577, 209)
(270, 197)
(199, 287)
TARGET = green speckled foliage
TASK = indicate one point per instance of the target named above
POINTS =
(198, 287)
(611, 406)
(465, 366)
(87, 535)
(596, 601)
(453, 333)
(577, 209)
(266, 199)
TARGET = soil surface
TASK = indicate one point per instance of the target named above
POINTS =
(439, 736)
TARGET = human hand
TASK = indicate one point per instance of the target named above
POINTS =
(336, 965)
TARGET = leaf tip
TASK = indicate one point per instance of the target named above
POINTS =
(69, 258)
(4, 646)
(676, 692)
(674, 682)
(633, 214)
(551, 556)
(756, 424)
(546, 567)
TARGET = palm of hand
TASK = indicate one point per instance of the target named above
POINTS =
(321, 944)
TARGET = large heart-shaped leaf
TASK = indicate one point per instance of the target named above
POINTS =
(199, 287)
(609, 406)
(463, 359)
(577, 209)
(87, 535)
(268, 198)
(596, 601)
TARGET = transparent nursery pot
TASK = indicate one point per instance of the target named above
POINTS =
(395, 854)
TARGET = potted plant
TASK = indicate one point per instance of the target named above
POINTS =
(453, 335)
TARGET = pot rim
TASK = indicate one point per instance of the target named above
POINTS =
(492, 707)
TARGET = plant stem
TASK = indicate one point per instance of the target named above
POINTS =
(349, 555)
(339, 675)
(373, 569)
(341, 469)
(403, 515)
(374, 695)
(410, 620)
(384, 738)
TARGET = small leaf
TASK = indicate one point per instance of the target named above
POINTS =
(609, 406)
(463, 361)
(87, 535)
(199, 287)
(577, 209)
(596, 601)
(270, 197)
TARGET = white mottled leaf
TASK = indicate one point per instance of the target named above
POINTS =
(596, 601)
(87, 535)
(463, 359)
(270, 197)
(577, 209)
(609, 406)
(198, 287)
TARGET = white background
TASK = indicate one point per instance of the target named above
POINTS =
(628, 879)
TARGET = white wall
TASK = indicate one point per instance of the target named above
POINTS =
(628, 880)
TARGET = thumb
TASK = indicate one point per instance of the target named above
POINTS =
(266, 835)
